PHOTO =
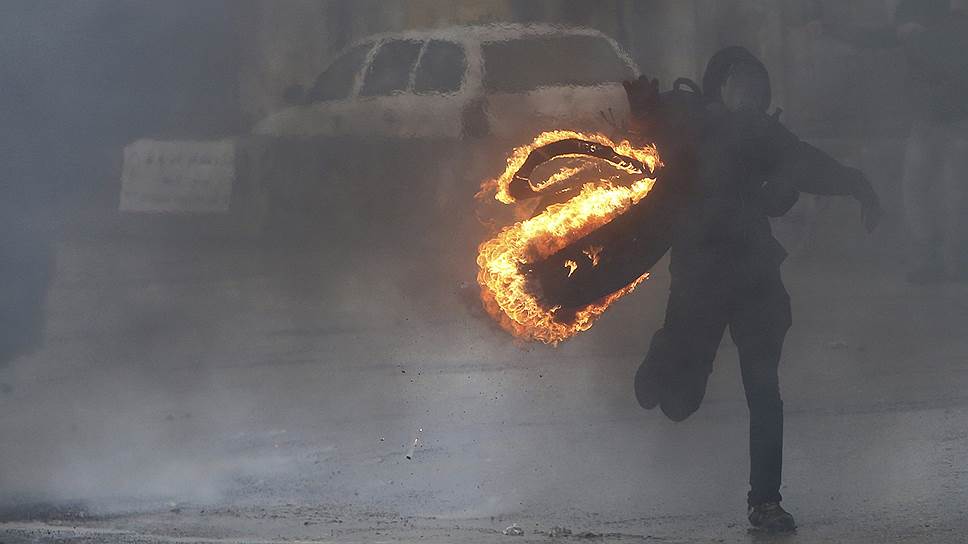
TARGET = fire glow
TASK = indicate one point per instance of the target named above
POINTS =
(509, 295)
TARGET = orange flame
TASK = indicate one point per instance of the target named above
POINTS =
(593, 253)
(508, 295)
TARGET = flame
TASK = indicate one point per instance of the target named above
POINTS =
(571, 266)
(508, 295)
(593, 253)
(647, 155)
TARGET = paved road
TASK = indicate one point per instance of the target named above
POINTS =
(272, 397)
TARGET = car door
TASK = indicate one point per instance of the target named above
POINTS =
(556, 81)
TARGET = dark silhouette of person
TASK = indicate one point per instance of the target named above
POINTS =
(737, 168)
(935, 185)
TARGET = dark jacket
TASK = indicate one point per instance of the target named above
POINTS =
(748, 167)
(726, 173)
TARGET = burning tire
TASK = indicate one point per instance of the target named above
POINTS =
(550, 276)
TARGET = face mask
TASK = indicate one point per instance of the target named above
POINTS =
(745, 89)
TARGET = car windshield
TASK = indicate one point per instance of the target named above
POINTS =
(543, 61)
(390, 70)
(337, 81)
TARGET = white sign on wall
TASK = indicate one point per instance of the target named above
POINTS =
(177, 176)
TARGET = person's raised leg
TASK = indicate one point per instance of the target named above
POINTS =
(679, 361)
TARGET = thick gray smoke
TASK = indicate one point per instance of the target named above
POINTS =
(293, 346)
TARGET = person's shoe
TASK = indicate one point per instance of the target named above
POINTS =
(679, 391)
(771, 517)
(683, 393)
(648, 384)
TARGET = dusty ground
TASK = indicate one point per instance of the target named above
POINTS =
(271, 397)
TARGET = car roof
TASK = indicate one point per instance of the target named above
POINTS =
(486, 33)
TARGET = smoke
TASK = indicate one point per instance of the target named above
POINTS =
(296, 353)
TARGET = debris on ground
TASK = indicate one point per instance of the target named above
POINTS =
(416, 442)
(559, 532)
(589, 535)
(513, 530)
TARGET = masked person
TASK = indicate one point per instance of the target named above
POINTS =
(934, 39)
(736, 167)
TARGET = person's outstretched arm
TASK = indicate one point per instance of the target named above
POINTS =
(801, 167)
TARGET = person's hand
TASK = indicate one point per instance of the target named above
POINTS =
(643, 95)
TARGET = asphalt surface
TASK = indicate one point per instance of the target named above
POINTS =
(272, 396)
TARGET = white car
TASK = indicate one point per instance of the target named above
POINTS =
(504, 80)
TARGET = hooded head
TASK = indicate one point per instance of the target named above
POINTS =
(737, 79)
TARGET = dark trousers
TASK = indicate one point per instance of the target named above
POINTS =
(756, 307)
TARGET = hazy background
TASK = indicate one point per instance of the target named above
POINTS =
(276, 353)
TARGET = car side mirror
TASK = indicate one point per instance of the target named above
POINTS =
(294, 95)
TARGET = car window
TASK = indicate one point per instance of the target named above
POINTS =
(524, 64)
(441, 68)
(337, 81)
(391, 67)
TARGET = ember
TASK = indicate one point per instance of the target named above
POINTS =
(513, 298)
(593, 253)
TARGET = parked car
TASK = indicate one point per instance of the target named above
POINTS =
(469, 81)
